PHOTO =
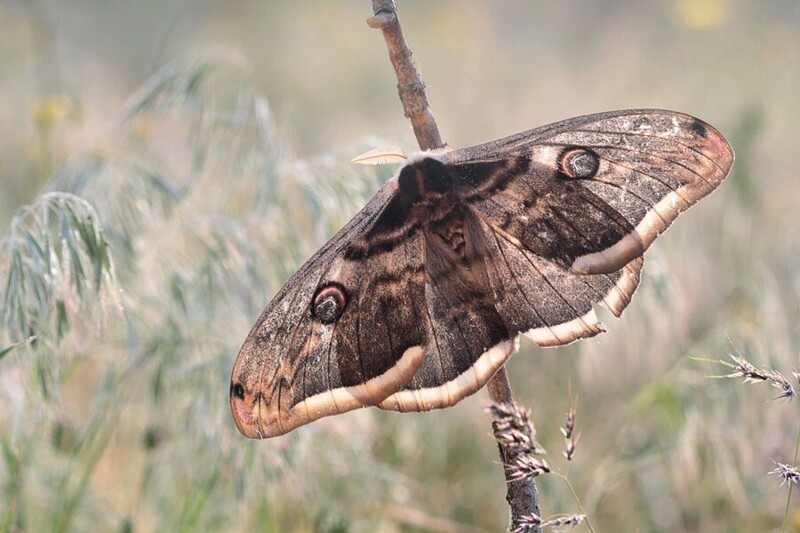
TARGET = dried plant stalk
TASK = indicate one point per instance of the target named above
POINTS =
(522, 495)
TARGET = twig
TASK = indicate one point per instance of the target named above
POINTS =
(522, 496)
(409, 84)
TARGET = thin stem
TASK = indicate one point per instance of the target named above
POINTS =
(522, 496)
(409, 85)
(577, 500)
(791, 485)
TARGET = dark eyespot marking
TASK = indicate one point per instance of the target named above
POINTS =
(699, 128)
(578, 163)
(329, 302)
(237, 390)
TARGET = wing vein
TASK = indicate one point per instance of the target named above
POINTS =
(545, 278)
(643, 200)
(586, 240)
(651, 176)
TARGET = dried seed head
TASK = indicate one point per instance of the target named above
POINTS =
(513, 428)
(561, 521)
(569, 427)
(789, 474)
(780, 382)
(569, 448)
(532, 521)
(527, 523)
(525, 466)
(569, 423)
(751, 374)
(745, 369)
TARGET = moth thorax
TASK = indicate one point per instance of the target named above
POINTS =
(329, 302)
(578, 163)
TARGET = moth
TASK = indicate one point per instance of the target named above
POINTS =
(421, 297)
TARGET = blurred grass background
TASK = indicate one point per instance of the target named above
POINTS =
(207, 143)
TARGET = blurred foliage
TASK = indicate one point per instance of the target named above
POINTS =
(702, 14)
(145, 226)
(57, 263)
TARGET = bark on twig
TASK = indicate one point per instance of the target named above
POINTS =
(409, 85)
(522, 496)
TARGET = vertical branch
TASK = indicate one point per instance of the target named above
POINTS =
(409, 85)
(522, 496)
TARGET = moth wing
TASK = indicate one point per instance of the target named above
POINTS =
(574, 241)
(651, 166)
(542, 247)
(293, 368)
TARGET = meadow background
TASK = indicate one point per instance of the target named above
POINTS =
(164, 167)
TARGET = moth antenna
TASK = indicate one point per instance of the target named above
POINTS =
(381, 156)
(440, 151)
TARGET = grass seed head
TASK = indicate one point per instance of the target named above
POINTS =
(752, 374)
(788, 474)
(568, 431)
(525, 467)
(532, 521)
(513, 428)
